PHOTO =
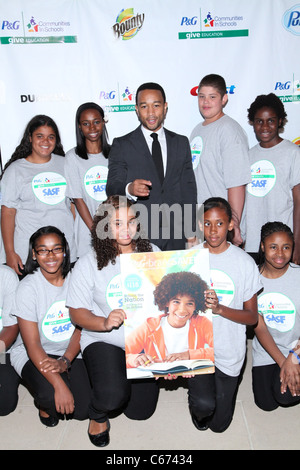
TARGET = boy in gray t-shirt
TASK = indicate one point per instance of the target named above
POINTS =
(220, 151)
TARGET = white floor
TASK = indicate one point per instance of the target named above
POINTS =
(170, 428)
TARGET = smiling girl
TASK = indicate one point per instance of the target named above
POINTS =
(86, 170)
(274, 193)
(232, 298)
(93, 297)
(45, 355)
(276, 347)
(33, 189)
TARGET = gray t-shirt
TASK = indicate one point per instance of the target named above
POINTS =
(275, 171)
(220, 157)
(100, 292)
(279, 304)
(37, 192)
(8, 285)
(39, 301)
(235, 278)
(86, 179)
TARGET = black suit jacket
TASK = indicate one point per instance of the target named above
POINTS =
(130, 159)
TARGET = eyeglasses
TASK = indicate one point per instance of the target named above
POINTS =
(56, 251)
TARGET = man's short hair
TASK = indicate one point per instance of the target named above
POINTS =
(150, 86)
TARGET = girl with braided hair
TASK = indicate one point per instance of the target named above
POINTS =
(276, 346)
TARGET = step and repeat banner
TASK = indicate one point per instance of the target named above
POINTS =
(58, 54)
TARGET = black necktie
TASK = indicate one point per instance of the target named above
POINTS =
(157, 157)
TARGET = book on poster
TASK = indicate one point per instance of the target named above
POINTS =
(167, 323)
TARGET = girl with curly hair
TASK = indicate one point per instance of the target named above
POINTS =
(180, 332)
(95, 283)
(33, 188)
(274, 193)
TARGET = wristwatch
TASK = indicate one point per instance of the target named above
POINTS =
(66, 361)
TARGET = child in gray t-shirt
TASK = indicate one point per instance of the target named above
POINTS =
(274, 192)
(95, 302)
(220, 151)
(276, 346)
(45, 355)
(86, 170)
(33, 189)
(232, 298)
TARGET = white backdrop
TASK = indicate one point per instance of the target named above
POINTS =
(57, 54)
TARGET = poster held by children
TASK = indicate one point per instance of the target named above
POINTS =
(168, 329)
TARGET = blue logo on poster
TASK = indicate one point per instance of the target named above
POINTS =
(133, 282)
(291, 20)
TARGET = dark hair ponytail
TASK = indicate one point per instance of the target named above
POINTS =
(268, 229)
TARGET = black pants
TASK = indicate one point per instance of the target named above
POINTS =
(111, 390)
(43, 392)
(266, 388)
(9, 384)
(213, 396)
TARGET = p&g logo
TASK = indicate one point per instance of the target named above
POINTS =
(291, 20)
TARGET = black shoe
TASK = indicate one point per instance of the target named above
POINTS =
(50, 421)
(101, 439)
(200, 424)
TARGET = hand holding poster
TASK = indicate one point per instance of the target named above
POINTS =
(167, 320)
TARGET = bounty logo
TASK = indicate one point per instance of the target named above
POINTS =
(127, 24)
(291, 20)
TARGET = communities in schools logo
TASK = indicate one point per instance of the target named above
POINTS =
(291, 20)
(33, 30)
(128, 24)
(288, 90)
(212, 25)
(117, 100)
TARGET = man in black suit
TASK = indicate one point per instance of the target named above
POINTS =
(167, 194)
